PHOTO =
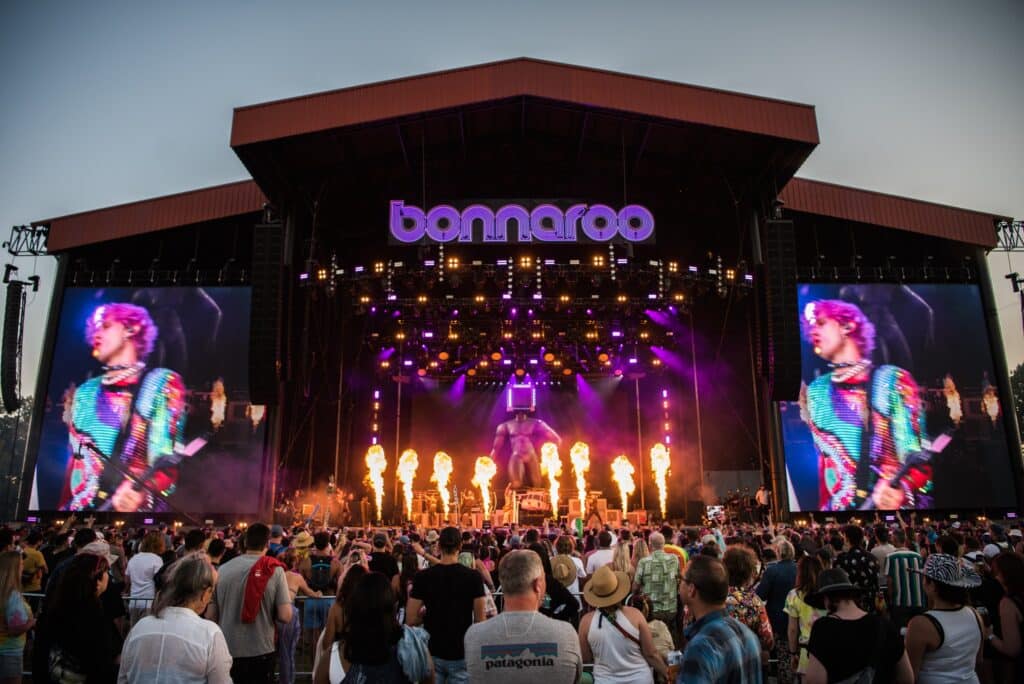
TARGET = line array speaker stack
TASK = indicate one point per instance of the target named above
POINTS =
(11, 362)
(265, 313)
(781, 329)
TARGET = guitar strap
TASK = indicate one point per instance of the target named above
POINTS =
(867, 433)
(111, 476)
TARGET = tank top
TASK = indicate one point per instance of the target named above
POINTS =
(616, 658)
(960, 638)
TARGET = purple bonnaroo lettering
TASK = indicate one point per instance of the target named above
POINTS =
(545, 223)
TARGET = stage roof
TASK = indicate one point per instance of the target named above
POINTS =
(289, 143)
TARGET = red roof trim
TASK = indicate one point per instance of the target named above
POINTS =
(523, 77)
(890, 211)
(170, 211)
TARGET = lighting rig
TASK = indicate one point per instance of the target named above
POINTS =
(524, 315)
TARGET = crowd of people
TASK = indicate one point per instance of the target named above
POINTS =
(898, 601)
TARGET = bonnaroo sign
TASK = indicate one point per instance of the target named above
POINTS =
(478, 223)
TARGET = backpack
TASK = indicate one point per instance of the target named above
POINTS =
(319, 572)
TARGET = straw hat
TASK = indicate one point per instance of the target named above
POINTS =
(606, 588)
(946, 569)
(303, 540)
(563, 569)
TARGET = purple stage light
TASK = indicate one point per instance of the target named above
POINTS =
(664, 394)
(632, 359)
(506, 362)
(538, 295)
(303, 276)
(507, 295)
(514, 311)
(694, 269)
(376, 394)
(392, 297)
(407, 362)
(455, 313)
(616, 333)
(590, 312)
(529, 312)
(147, 521)
(652, 295)
(373, 309)
(359, 269)
(749, 278)
(428, 334)
(533, 362)
(429, 262)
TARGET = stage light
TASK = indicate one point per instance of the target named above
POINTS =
(364, 300)
(507, 335)
(557, 363)
(479, 299)
(602, 357)
(496, 356)
(484, 364)
(644, 334)
(567, 371)
(443, 356)
(407, 362)
(520, 372)
(673, 267)
(632, 360)
(378, 267)
(453, 263)
(422, 299)
(616, 333)
(563, 298)
(618, 372)
(536, 334)
(428, 334)
(655, 362)
(549, 357)
(534, 362)
(453, 335)
(421, 372)
(321, 274)
(598, 260)
(678, 297)
(591, 335)
(525, 262)
(730, 274)
(621, 299)
(471, 372)
(433, 364)
(385, 364)
(399, 335)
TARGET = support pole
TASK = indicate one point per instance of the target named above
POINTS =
(696, 400)
(639, 443)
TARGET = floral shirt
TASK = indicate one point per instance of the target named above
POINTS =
(862, 568)
(749, 609)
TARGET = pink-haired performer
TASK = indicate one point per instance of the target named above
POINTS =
(862, 449)
(124, 421)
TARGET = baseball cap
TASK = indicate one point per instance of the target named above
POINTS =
(991, 551)
(1016, 533)
(100, 548)
(276, 531)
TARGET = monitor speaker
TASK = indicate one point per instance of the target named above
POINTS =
(781, 330)
(11, 361)
(265, 308)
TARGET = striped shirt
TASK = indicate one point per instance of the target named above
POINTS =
(720, 649)
(907, 588)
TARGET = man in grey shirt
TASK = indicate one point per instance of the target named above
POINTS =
(251, 643)
(520, 645)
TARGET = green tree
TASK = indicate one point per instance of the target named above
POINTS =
(13, 438)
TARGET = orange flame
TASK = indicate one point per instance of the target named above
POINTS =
(484, 470)
(956, 411)
(623, 471)
(407, 466)
(551, 465)
(442, 471)
(660, 464)
(377, 464)
(580, 456)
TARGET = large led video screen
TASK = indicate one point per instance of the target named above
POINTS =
(468, 421)
(933, 437)
(147, 404)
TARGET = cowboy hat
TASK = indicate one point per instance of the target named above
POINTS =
(303, 540)
(946, 569)
(829, 582)
(563, 569)
(606, 588)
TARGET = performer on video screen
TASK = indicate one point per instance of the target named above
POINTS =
(124, 421)
(521, 432)
(862, 449)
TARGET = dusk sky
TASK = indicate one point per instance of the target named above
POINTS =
(111, 102)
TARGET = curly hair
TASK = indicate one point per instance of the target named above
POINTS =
(862, 330)
(130, 316)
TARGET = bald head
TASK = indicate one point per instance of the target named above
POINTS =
(656, 540)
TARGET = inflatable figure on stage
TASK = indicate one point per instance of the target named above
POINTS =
(124, 424)
(866, 421)
(522, 433)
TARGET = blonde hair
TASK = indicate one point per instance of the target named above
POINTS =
(621, 560)
(640, 550)
(10, 578)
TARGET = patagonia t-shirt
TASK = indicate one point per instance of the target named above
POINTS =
(523, 648)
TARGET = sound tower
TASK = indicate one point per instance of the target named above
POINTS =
(13, 319)
(781, 329)
(265, 309)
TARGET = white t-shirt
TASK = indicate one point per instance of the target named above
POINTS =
(599, 559)
(580, 574)
(141, 569)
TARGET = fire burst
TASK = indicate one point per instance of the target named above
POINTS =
(580, 455)
(623, 471)
(660, 464)
(551, 465)
(483, 472)
(442, 471)
(407, 466)
(377, 464)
